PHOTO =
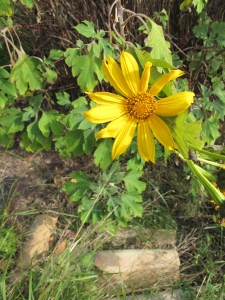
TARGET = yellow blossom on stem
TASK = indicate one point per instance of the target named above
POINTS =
(135, 107)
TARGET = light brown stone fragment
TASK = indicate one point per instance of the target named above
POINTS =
(138, 268)
(38, 239)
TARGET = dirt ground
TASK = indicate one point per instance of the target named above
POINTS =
(30, 184)
(33, 181)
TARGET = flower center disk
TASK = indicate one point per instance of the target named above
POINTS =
(141, 106)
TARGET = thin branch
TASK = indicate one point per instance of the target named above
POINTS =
(110, 11)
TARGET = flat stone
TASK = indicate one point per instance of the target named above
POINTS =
(137, 268)
(38, 239)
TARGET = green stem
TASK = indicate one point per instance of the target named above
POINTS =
(214, 155)
(222, 166)
(216, 195)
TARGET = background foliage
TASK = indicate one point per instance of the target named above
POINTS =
(50, 54)
(50, 57)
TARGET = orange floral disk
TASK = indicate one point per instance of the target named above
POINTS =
(135, 107)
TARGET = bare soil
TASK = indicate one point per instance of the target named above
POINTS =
(33, 181)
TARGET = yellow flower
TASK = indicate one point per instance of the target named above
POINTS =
(136, 107)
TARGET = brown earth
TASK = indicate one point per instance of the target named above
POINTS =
(33, 181)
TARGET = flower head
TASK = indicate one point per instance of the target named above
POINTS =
(136, 107)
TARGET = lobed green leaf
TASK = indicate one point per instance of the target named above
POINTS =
(27, 74)
(157, 41)
(87, 29)
(102, 154)
(6, 8)
(28, 3)
(50, 122)
(185, 133)
(132, 183)
(79, 186)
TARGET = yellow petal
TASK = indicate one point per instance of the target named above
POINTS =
(113, 128)
(130, 71)
(105, 98)
(145, 77)
(162, 132)
(175, 104)
(115, 76)
(145, 141)
(104, 113)
(123, 139)
(159, 84)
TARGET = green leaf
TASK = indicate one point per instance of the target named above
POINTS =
(36, 136)
(49, 122)
(218, 90)
(63, 99)
(79, 43)
(5, 22)
(50, 75)
(28, 3)
(27, 73)
(71, 54)
(157, 41)
(106, 190)
(218, 107)
(85, 67)
(102, 154)
(131, 205)
(33, 131)
(110, 226)
(199, 5)
(85, 124)
(185, 133)
(36, 101)
(210, 129)
(95, 48)
(76, 116)
(6, 140)
(201, 31)
(48, 62)
(218, 27)
(6, 86)
(132, 183)
(144, 56)
(79, 186)
(80, 102)
(30, 112)
(4, 73)
(89, 210)
(113, 175)
(6, 8)
(73, 141)
(106, 47)
(109, 182)
(135, 163)
(3, 101)
(114, 204)
(56, 54)
(89, 140)
(12, 120)
(87, 29)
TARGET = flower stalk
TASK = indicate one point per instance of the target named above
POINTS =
(216, 195)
